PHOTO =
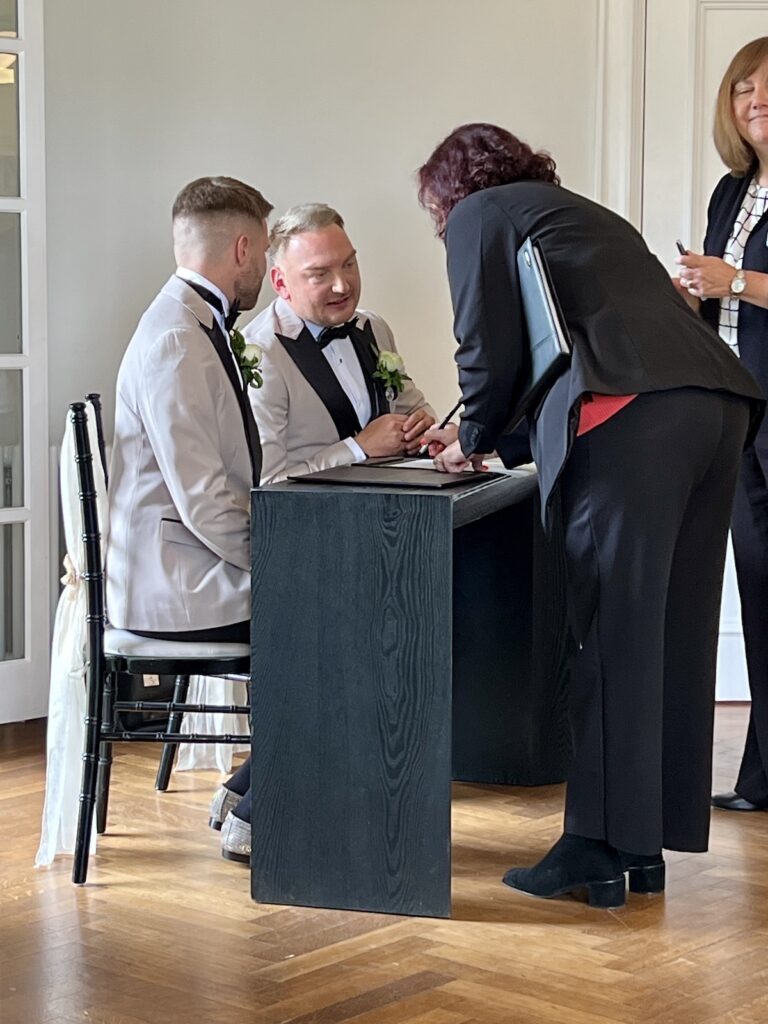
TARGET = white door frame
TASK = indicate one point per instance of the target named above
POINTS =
(693, 41)
(24, 682)
(619, 107)
(651, 140)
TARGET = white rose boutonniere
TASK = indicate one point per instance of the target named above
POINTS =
(248, 359)
(390, 370)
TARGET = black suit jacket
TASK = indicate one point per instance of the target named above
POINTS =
(632, 332)
(753, 320)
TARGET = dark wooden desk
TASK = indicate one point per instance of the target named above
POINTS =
(394, 650)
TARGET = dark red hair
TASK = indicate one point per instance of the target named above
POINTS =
(474, 157)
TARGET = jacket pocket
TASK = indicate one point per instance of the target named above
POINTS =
(175, 532)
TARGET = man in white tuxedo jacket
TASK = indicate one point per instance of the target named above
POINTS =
(186, 448)
(320, 405)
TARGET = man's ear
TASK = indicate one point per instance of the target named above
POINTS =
(277, 278)
(242, 246)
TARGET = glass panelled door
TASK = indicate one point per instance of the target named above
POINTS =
(23, 418)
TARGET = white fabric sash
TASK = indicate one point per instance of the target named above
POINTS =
(67, 697)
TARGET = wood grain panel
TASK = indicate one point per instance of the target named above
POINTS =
(352, 701)
(401, 645)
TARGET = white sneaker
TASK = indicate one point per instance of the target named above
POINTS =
(224, 801)
(236, 839)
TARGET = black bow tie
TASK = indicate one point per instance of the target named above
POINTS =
(232, 315)
(214, 301)
(327, 335)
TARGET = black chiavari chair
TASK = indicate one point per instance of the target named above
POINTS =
(112, 651)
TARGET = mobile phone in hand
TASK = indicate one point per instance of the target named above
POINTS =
(681, 248)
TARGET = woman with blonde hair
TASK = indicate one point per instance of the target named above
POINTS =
(729, 284)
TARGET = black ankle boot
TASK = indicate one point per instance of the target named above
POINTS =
(646, 872)
(574, 863)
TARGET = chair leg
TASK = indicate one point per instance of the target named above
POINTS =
(102, 786)
(105, 755)
(90, 770)
(180, 689)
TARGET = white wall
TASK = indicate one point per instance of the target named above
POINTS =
(336, 101)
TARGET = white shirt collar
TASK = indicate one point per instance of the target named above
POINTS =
(191, 275)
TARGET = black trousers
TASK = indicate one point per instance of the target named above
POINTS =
(240, 782)
(237, 633)
(647, 498)
(749, 527)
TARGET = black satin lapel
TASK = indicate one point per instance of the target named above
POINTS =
(224, 353)
(317, 371)
(364, 342)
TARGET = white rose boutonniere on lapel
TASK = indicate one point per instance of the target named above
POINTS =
(248, 359)
(390, 370)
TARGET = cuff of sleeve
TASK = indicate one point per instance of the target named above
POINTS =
(358, 455)
(472, 438)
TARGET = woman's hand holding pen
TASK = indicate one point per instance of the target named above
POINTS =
(446, 452)
(436, 439)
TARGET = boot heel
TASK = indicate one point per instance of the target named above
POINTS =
(607, 895)
(647, 879)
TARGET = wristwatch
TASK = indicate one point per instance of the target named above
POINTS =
(739, 283)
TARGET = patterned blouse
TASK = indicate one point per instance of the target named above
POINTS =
(752, 209)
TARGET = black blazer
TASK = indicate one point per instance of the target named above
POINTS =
(632, 332)
(753, 320)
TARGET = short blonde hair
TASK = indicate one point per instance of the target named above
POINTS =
(735, 152)
(297, 220)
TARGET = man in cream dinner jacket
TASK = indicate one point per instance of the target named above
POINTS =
(186, 449)
(320, 405)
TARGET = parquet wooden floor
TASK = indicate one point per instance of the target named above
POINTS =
(165, 930)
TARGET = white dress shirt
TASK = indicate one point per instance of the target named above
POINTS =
(341, 354)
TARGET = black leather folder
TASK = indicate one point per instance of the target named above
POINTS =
(392, 476)
(549, 344)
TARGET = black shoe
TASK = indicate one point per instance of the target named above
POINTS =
(574, 863)
(734, 802)
(646, 872)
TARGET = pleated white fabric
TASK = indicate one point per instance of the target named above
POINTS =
(205, 690)
(67, 697)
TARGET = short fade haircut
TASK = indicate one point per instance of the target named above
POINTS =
(737, 154)
(297, 220)
(206, 197)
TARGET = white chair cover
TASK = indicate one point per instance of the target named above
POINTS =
(67, 697)
(206, 690)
